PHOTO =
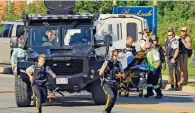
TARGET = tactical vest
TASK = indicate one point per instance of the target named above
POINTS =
(39, 76)
(111, 70)
(169, 50)
(182, 48)
(131, 49)
(161, 52)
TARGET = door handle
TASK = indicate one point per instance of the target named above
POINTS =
(7, 42)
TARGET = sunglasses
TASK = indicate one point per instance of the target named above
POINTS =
(169, 35)
(183, 31)
(147, 48)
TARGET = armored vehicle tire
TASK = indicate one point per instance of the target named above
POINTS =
(98, 93)
(22, 93)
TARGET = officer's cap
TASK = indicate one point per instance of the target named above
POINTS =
(147, 30)
(170, 29)
(184, 29)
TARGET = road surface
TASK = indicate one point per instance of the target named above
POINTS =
(172, 102)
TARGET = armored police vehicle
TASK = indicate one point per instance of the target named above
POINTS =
(68, 42)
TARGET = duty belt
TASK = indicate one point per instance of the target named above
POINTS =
(109, 79)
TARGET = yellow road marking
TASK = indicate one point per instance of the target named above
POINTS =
(156, 108)
(7, 92)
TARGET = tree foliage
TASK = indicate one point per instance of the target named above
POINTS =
(170, 13)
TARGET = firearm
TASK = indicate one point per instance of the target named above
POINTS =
(107, 43)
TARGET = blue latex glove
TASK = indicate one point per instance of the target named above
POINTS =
(154, 72)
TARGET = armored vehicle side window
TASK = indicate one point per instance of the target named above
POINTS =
(6, 30)
(19, 30)
(113, 29)
(77, 35)
(41, 36)
(132, 30)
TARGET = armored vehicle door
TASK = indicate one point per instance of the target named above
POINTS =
(112, 27)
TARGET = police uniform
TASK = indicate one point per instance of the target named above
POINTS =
(130, 50)
(143, 42)
(153, 78)
(111, 84)
(17, 53)
(162, 59)
(182, 62)
(39, 84)
(171, 45)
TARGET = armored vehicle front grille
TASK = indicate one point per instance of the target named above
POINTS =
(69, 67)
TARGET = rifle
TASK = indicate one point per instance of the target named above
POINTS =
(107, 43)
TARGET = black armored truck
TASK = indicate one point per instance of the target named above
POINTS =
(67, 39)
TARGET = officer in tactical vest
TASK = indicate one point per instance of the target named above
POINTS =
(146, 38)
(130, 49)
(18, 52)
(172, 51)
(153, 62)
(111, 72)
(39, 80)
(184, 47)
(161, 52)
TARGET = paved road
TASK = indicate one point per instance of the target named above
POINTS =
(173, 102)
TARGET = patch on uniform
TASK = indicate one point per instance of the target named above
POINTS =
(175, 42)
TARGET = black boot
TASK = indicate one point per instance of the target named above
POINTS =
(149, 92)
(105, 112)
(40, 110)
(171, 88)
(158, 93)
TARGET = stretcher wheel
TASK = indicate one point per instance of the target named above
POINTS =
(126, 94)
(140, 93)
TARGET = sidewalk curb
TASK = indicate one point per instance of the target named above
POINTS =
(5, 70)
(185, 89)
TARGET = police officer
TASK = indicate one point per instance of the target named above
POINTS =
(146, 38)
(184, 46)
(172, 51)
(161, 52)
(39, 80)
(111, 72)
(18, 52)
(153, 62)
(129, 46)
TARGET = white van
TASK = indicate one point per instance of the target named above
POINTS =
(9, 29)
(120, 26)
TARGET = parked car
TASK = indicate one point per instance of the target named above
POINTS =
(9, 29)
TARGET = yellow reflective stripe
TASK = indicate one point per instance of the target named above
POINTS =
(156, 87)
(37, 106)
(108, 98)
(174, 76)
(36, 103)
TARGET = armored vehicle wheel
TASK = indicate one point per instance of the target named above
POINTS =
(126, 93)
(22, 93)
(98, 93)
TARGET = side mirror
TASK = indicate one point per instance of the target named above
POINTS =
(14, 42)
(109, 28)
(108, 40)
